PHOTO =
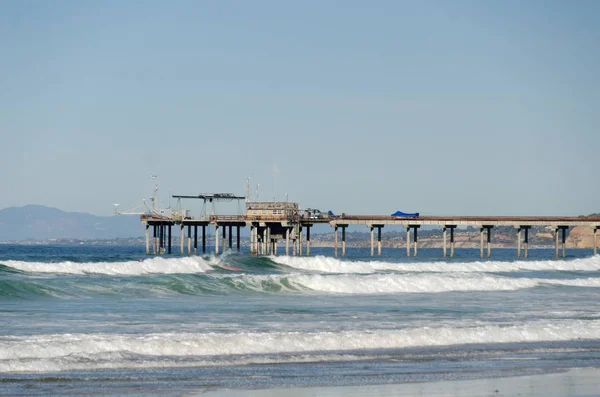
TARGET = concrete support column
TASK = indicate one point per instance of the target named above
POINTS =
(195, 239)
(416, 238)
(216, 239)
(169, 238)
(295, 242)
(268, 242)
(595, 241)
(526, 243)
(224, 238)
(300, 241)
(204, 239)
(231, 237)
(444, 238)
(556, 242)
(519, 242)
(481, 242)
(181, 238)
(452, 242)
(161, 239)
(238, 238)
(154, 239)
(408, 241)
(372, 241)
(287, 241)
(189, 239)
(307, 240)
(379, 240)
(489, 242)
(343, 240)
(335, 241)
(148, 239)
(564, 240)
(264, 242)
(273, 246)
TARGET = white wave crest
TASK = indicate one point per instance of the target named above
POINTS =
(409, 283)
(396, 283)
(156, 265)
(334, 265)
(69, 351)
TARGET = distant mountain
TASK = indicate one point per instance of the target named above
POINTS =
(37, 222)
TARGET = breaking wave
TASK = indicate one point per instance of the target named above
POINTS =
(56, 352)
(333, 265)
(156, 265)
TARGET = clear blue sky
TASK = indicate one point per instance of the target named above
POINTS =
(442, 107)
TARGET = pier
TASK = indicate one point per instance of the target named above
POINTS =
(272, 223)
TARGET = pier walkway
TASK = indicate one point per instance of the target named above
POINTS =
(271, 222)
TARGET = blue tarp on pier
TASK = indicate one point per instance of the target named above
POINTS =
(405, 215)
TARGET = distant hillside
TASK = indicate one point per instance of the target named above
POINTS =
(37, 222)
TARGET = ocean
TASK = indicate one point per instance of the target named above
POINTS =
(108, 320)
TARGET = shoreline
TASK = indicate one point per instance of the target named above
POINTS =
(579, 382)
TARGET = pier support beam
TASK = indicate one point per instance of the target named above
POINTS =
(596, 240)
(379, 239)
(451, 227)
(287, 241)
(563, 230)
(372, 240)
(308, 240)
(489, 242)
(408, 241)
(300, 241)
(169, 239)
(264, 241)
(526, 241)
(481, 242)
(231, 237)
(161, 240)
(189, 239)
(335, 241)
(444, 238)
(343, 240)
(518, 242)
(216, 239)
(224, 238)
(204, 239)
(488, 229)
(564, 241)
(416, 227)
(195, 239)
(155, 239)
(148, 239)
(181, 240)
(238, 238)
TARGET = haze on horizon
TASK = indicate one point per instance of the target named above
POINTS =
(438, 107)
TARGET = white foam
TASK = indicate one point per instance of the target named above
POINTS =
(333, 265)
(68, 351)
(408, 283)
(157, 265)
(392, 283)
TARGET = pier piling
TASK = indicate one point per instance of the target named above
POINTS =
(308, 240)
(379, 240)
(444, 244)
(181, 240)
(147, 239)
(343, 240)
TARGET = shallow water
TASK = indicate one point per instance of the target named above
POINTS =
(109, 320)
